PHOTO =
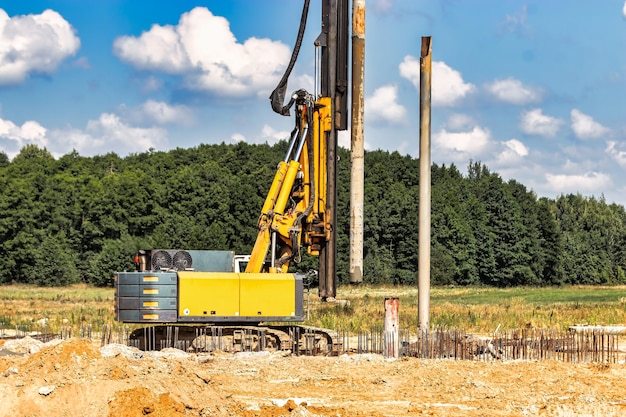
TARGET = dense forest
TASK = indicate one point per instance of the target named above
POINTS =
(79, 219)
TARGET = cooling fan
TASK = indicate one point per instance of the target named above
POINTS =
(161, 260)
(182, 260)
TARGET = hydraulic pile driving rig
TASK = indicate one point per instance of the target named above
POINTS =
(206, 300)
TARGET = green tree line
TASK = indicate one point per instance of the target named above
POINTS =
(79, 219)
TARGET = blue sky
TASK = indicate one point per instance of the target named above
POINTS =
(536, 90)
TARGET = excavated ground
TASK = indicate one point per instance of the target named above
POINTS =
(76, 377)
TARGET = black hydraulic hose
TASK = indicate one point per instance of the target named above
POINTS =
(278, 95)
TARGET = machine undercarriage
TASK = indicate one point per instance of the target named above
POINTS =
(299, 340)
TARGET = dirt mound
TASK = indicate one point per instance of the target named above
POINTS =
(140, 402)
(75, 377)
(59, 355)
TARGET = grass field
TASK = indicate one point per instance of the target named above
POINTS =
(474, 309)
(481, 309)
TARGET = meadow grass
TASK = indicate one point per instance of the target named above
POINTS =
(360, 308)
(478, 309)
(73, 306)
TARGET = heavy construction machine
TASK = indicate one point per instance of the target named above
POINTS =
(205, 300)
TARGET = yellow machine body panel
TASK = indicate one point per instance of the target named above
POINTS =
(267, 295)
(208, 294)
(239, 297)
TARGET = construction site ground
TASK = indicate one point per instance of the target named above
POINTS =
(78, 377)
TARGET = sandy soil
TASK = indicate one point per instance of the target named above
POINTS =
(78, 378)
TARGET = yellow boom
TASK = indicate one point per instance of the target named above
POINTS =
(293, 215)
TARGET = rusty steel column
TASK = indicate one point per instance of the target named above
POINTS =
(423, 280)
(357, 172)
(391, 328)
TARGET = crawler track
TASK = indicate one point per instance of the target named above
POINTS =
(300, 340)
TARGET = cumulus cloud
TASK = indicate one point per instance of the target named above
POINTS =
(14, 137)
(534, 122)
(448, 87)
(28, 131)
(590, 182)
(272, 136)
(461, 139)
(267, 135)
(461, 146)
(34, 43)
(618, 155)
(238, 137)
(512, 152)
(585, 127)
(624, 10)
(107, 133)
(163, 113)
(513, 91)
(383, 105)
(153, 112)
(203, 50)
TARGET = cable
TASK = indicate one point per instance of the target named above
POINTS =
(278, 95)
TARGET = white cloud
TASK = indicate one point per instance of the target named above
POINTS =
(513, 151)
(624, 10)
(238, 137)
(159, 49)
(516, 146)
(461, 139)
(618, 155)
(29, 131)
(513, 91)
(14, 137)
(163, 113)
(447, 88)
(591, 182)
(34, 44)
(107, 133)
(383, 105)
(462, 145)
(534, 122)
(272, 136)
(221, 65)
(153, 112)
(585, 127)
(268, 135)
